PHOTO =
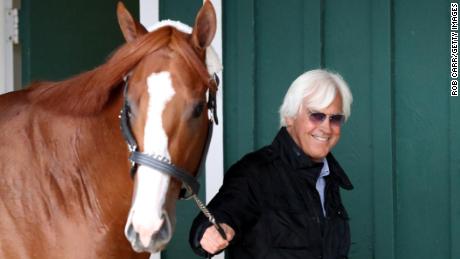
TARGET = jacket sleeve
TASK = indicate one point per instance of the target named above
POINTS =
(235, 204)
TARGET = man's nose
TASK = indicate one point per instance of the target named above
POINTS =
(326, 126)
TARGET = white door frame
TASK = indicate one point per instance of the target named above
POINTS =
(8, 37)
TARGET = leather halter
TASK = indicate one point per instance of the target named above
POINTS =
(190, 185)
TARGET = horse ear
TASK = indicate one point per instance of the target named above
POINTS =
(205, 26)
(130, 28)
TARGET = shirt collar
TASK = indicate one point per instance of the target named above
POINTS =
(325, 169)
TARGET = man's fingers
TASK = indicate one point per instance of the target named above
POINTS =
(213, 247)
(212, 241)
(229, 232)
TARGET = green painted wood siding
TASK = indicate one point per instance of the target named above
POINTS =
(63, 38)
(401, 146)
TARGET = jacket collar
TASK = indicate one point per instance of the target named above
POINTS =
(292, 154)
(337, 173)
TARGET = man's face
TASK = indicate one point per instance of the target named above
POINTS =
(315, 138)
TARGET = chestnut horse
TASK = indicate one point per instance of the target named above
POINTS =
(65, 187)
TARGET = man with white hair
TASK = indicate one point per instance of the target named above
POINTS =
(283, 200)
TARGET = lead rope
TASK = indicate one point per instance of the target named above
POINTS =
(210, 217)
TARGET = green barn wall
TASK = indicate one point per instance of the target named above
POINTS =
(401, 144)
(63, 38)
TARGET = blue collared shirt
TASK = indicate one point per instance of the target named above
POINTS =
(321, 183)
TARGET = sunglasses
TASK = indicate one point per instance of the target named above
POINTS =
(319, 117)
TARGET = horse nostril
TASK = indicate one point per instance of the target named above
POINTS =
(150, 243)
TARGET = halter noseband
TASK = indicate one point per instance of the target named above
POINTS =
(190, 185)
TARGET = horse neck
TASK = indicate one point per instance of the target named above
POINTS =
(103, 154)
(100, 151)
(105, 131)
(63, 156)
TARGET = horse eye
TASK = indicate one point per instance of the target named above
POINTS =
(198, 109)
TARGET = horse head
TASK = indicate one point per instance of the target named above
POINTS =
(166, 113)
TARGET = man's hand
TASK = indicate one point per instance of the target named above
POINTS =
(212, 242)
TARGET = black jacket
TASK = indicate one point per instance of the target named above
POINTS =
(269, 198)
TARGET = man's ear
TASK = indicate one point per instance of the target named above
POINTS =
(289, 121)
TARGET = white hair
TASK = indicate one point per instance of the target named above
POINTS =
(315, 89)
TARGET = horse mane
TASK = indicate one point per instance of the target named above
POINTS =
(89, 92)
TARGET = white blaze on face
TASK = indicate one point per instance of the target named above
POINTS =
(146, 212)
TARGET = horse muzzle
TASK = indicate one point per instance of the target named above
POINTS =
(151, 239)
